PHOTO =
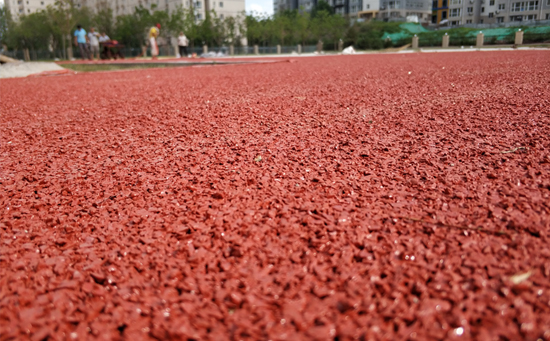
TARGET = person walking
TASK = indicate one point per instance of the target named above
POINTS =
(81, 40)
(182, 44)
(153, 34)
(93, 37)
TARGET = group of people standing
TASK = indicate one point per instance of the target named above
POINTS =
(88, 43)
(154, 32)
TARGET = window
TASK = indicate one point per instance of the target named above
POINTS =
(470, 10)
(516, 18)
(469, 21)
(368, 6)
(456, 2)
(445, 3)
(221, 4)
(492, 3)
(491, 15)
(198, 4)
(547, 16)
(531, 17)
(482, 9)
(501, 6)
(434, 4)
(481, 21)
(221, 16)
(20, 2)
(455, 23)
(393, 4)
(28, 11)
(455, 12)
(20, 10)
(42, 3)
(525, 6)
(198, 17)
(444, 15)
(500, 19)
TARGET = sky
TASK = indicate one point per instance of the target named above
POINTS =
(260, 6)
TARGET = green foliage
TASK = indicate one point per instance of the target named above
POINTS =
(103, 21)
(296, 27)
(53, 27)
(368, 35)
(322, 6)
(5, 19)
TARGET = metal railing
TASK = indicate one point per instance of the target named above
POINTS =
(164, 51)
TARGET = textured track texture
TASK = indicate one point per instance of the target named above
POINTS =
(372, 197)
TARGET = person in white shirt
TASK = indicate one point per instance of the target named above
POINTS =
(104, 38)
(182, 43)
(94, 42)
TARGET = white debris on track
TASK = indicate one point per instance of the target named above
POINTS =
(349, 50)
(24, 69)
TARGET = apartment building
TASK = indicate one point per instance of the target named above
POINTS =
(460, 12)
(344, 7)
(223, 8)
(369, 9)
(283, 5)
(400, 9)
(21, 7)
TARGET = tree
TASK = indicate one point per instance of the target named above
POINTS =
(5, 19)
(230, 26)
(63, 19)
(282, 27)
(321, 6)
(103, 20)
(301, 24)
(183, 20)
(131, 29)
(320, 25)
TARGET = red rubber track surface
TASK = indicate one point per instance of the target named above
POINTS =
(371, 197)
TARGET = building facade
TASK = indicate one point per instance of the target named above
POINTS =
(223, 8)
(365, 8)
(445, 12)
(369, 9)
(401, 9)
(283, 5)
(463, 12)
(25, 7)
